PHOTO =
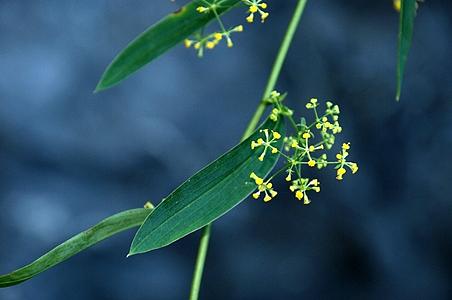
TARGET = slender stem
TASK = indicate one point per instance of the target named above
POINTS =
(200, 260)
(277, 66)
(276, 70)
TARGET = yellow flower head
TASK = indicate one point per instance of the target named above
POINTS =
(263, 187)
(340, 172)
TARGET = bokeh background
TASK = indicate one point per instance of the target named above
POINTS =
(69, 158)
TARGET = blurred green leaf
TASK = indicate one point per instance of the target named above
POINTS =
(158, 39)
(207, 195)
(106, 228)
(406, 23)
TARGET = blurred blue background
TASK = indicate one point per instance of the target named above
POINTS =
(69, 158)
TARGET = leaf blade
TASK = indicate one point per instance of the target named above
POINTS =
(406, 24)
(206, 196)
(158, 39)
(104, 229)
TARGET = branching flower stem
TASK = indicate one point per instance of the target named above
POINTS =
(274, 75)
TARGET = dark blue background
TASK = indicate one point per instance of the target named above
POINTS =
(69, 158)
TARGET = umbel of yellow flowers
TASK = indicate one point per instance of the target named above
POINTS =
(306, 147)
(210, 41)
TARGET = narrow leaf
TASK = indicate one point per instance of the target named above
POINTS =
(207, 195)
(406, 23)
(158, 39)
(106, 228)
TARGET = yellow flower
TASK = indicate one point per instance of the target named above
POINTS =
(311, 163)
(218, 36)
(276, 135)
(250, 18)
(210, 45)
(229, 42)
(201, 9)
(256, 178)
(289, 176)
(397, 5)
(354, 167)
(188, 43)
(306, 135)
(346, 146)
(299, 195)
(340, 172)
(238, 28)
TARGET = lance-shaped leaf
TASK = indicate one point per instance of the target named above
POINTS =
(106, 228)
(406, 23)
(158, 39)
(207, 195)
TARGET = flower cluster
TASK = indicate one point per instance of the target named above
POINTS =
(267, 143)
(201, 41)
(306, 147)
(265, 187)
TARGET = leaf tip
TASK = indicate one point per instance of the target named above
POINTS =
(99, 87)
(397, 97)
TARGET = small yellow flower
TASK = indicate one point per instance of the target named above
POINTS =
(238, 28)
(311, 163)
(289, 176)
(276, 135)
(256, 178)
(354, 167)
(201, 9)
(306, 135)
(340, 172)
(188, 43)
(346, 146)
(397, 4)
(299, 195)
(218, 36)
(230, 43)
(253, 9)
(250, 18)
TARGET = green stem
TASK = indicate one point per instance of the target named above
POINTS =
(277, 66)
(276, 70)
(200, 260)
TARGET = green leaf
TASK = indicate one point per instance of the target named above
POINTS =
(106, 228)
(207, 195)
(158, 39)
(406, 23)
